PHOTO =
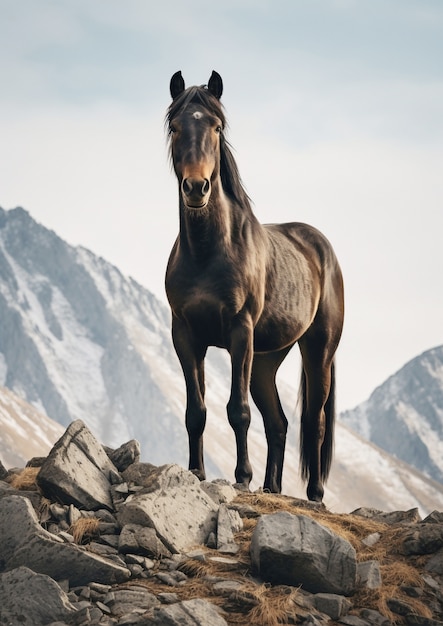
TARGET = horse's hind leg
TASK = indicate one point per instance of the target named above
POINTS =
(317, 419)
(265, 395)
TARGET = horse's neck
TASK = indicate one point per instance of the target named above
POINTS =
(217, 228)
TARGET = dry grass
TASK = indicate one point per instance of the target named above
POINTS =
(394, 576)
(85, 529)
(266, 605)
(273, 605)
(26, 480)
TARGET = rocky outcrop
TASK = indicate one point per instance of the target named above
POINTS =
(175, 505)
(296, 550)
(91, 536)
(78, 471)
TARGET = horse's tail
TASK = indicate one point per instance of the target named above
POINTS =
(308, 434)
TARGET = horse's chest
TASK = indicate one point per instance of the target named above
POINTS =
(208, 315)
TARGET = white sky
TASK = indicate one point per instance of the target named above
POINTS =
(335, 114)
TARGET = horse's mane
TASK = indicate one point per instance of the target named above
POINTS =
(230, 176)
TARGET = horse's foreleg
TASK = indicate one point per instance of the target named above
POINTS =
(239, 414)
(265, 395)
(191, 359)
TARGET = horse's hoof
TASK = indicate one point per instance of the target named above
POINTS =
(315, 494)
(199, 473)
(242, 487)
(271, 488)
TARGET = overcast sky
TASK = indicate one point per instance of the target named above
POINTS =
(335, 114)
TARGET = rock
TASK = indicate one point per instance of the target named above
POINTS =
(296, 550)
(189, 613)
(423, 539)
(420, 620)
(431, 582)
(411, 516)
(221, 491)
(26, 543)
(436, 517)
(353, 620)
(142, 474)
(3, 471)
(226, 587)
(399, 606)
(125, 455)
(181, 513)
(125, 600)
(435, 563)
(369, 575)
(136, 539)
(78, 471)
(371, 539)
(31, 599)
(223, 561)
(228, 523)
(36, 461)
(121, 540)
(375, 618)
(332, 604)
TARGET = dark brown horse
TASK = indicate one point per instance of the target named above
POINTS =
(254, 290)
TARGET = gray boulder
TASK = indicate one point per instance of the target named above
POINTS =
(332, 604)
(26, 543)
(189, 613)
(127, 454)
(220, 490)
(78, 471)
(369, 574)
(135, 539)
(424, 538)
(181, 513)
(228, 523)
(31, 599)
(296, 550)
(126, 600)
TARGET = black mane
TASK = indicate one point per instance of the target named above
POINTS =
(230, 176)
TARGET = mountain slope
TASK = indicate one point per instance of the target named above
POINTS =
(76, 336)
(404, 416)
(78, 340)
(25, 432)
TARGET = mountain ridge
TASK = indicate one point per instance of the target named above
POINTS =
(410, 403)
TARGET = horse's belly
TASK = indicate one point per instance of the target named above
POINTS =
(281, 326)
(276, 336)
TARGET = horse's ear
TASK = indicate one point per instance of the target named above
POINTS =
(177, 85)
(215, 85)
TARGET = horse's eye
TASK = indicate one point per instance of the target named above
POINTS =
(218, 129)
(172, 129)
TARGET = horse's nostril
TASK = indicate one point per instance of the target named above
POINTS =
(187, 186)
(205, 187)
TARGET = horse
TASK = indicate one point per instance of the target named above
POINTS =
(254, 290)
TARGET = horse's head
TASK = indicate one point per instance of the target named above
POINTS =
(195, 121)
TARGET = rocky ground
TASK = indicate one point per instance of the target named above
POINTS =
(92, 536)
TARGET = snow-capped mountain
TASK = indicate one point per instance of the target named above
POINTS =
(78, 340)
(404, 416)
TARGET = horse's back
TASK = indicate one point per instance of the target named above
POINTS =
(304, 238)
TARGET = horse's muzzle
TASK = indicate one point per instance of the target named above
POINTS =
(196, 192)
